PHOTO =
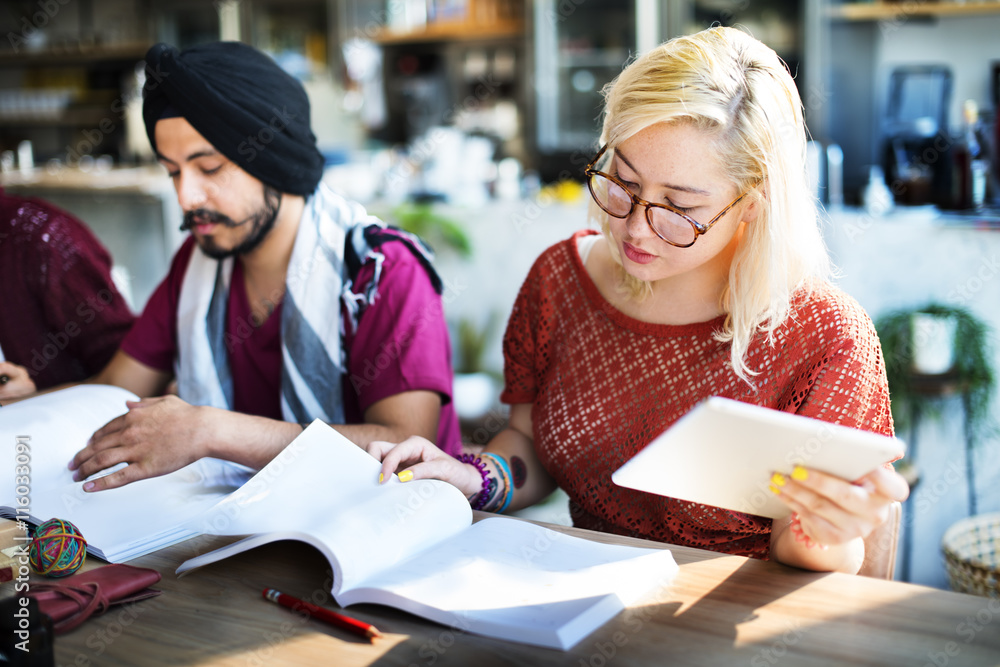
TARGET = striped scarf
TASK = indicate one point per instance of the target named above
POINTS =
(311, 329)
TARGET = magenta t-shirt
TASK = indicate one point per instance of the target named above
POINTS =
(401, 344)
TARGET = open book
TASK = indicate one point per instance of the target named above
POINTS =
(38, 438)
(413, 546)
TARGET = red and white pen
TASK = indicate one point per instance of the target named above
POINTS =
(333, 618)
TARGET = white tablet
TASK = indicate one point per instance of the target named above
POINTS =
(723, 453)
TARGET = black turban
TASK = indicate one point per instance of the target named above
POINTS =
(243, 103)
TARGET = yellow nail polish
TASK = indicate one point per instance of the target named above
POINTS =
(775, 490)
(800, 474)
(381, 477)
(778, 479)
(406, 476)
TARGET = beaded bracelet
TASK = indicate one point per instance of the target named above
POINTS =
(800, 535)
(480, 500)
(504, 469)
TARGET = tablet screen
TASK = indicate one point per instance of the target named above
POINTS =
(723, 452)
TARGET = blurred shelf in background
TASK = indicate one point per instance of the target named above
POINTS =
(875, 11)
(451, 20)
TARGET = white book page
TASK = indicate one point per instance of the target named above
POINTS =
(119, 524)
(325, 485)
(55, 426)
(515, 580)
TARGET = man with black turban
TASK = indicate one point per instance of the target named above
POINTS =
(287, 303)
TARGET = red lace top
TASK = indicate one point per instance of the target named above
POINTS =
(603, 385)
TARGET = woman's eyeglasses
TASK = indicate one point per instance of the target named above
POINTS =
(667, 222)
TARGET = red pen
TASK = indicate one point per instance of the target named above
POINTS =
(333, 618)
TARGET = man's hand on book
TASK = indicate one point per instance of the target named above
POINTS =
(419, 458)
(155, 437)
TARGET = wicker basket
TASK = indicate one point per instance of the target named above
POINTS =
(972, 555)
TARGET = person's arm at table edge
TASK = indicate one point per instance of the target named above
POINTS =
(254, 441)
(202, 431)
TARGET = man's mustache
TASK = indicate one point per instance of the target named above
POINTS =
(204, 216)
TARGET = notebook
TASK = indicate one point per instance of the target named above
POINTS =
(723, 453)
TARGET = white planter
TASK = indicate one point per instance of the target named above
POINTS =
(933, 343)
(474, 395)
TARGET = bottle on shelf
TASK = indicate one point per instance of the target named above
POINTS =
(877, 196)
(970, 162)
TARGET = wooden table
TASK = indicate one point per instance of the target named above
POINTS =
(720, 610)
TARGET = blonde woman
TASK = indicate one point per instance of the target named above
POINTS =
(709, 279)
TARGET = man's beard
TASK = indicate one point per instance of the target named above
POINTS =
(262, 221)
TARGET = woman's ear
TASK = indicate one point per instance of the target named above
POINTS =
(753, 209)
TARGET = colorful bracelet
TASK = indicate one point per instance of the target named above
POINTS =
(800, 535)
(504, 469)
(480, 499)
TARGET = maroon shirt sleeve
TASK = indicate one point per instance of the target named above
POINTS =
(402, 342)
(526, 332)
(65, 317)
(153, 339)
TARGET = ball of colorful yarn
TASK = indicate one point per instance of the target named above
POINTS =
(57, 549)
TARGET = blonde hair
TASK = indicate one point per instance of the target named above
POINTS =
(735, 89)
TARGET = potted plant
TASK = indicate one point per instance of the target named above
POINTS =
(921, 375)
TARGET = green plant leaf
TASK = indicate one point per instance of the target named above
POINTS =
(432, 227)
